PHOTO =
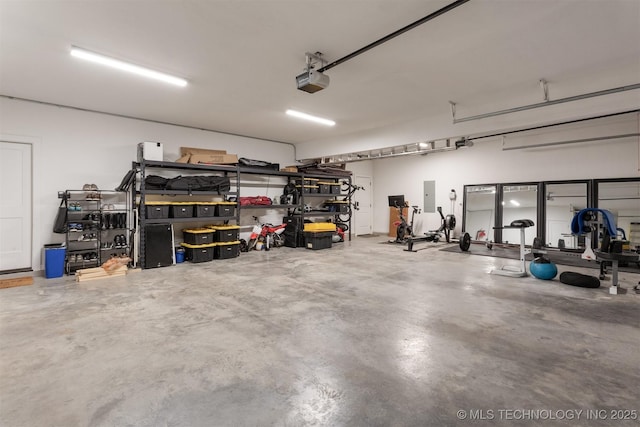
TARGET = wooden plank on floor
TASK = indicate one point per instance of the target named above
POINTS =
(99, 273)
(16, 281)
(106, 276)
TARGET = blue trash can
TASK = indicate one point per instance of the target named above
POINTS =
(179, 255)
(54, 255)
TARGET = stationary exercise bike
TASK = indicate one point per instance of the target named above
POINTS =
(404, 230)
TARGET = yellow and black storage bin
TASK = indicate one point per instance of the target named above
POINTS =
(320, 226)
(181, 210)
(224, 209)
(324, 187)
(205, 209)
(198, 236)
(318, 239)
(156, 210)
(335, 187)
(225, 250)
(225, 233)
(307, 189)
(198, 253)
(337, 206)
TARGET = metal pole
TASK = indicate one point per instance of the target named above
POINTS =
(547, 103)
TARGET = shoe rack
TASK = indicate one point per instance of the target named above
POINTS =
(98, 227)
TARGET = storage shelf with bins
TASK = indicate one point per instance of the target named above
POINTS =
(90, 236)
(172, 197)
(236, 174)
(297, 209)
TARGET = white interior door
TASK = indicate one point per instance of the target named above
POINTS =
(363, 199)
(15, 206)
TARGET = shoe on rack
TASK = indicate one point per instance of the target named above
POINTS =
(93, 187)
(86, 187)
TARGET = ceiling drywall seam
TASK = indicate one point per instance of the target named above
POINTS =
(124, 116)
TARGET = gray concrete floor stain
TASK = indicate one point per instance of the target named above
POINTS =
(363, 334)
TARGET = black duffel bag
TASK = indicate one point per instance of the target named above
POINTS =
(155, 182)
(220, 184)
(243, 161)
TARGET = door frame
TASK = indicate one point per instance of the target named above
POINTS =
(37, 257)
(370, 200)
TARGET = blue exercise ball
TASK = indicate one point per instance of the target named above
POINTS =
(543, 269)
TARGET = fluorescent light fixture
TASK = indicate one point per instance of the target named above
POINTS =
(514, 202)
(125, 66)
(309, 117)
(424, 144)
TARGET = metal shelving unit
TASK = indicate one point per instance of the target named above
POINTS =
(232, 172)
(291, 209)
(90, 236)
(217, 170)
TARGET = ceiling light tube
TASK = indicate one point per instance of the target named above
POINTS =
(309, 117)
(125, 66)
(514, 202)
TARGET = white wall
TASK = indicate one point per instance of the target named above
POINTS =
(73, 147)
(441, 126)
(486, 162)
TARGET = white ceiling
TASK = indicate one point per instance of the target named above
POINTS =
(241, 58)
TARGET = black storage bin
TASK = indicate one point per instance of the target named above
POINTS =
(335, 188)
(306, 189)
(338, 206)
(198, 236)
(226, 233)
(324, 187)
(156, 210)
(198, 253)
(224, 250)
(306, 181)
(205, 209)
(318, 239)
(225, 208)
(181, 210)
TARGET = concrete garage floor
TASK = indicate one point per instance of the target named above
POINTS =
(363, 334)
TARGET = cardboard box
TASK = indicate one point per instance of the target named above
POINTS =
(191, 150)
(213, 159)
(205, 156)
(289, 169)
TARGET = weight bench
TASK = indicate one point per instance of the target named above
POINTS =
(590, 221)
(614, 259)
(520, 271)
